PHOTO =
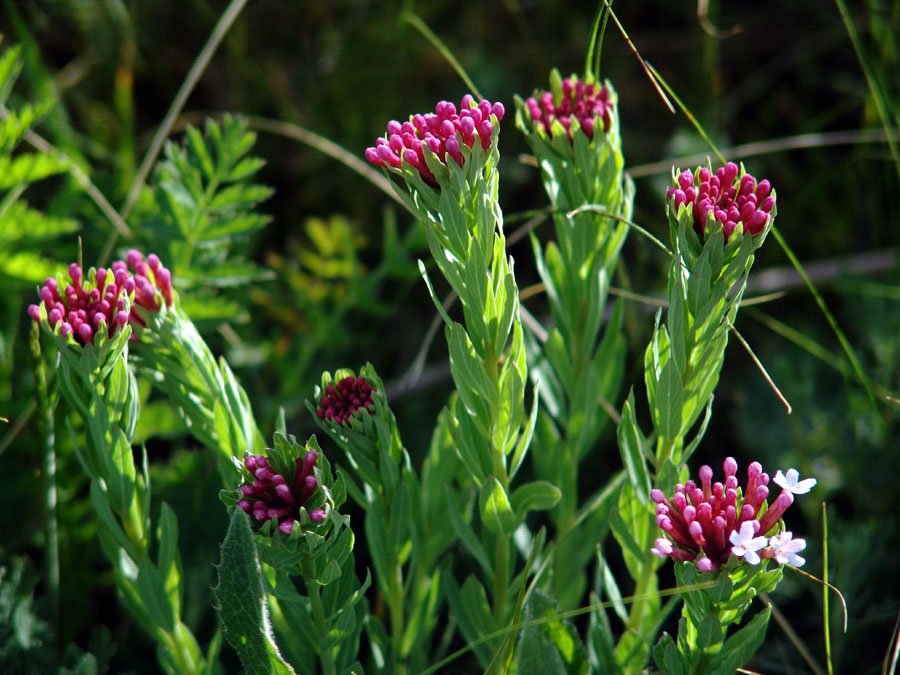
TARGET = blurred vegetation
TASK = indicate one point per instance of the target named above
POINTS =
(330, 279)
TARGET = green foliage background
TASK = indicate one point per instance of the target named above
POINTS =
(331, 280)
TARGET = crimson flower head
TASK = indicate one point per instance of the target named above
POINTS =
(104, 300)
(442, 132)
(711, 522)
(729, 196)
(579, 101)
(344, 398)
(280, 495)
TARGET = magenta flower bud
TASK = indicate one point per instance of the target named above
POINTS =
(485, 131)
(498, 110)
(386, 155)
(768, 204)
(86, 332)
(76, 274)
(657, 496)
(245, 505)
(133, 257)
(372, 156)
(763, 189)
(286, 527)
(394, 127)
(685, 179)
(54, 316)
(65, 330)
(705, 564)
(317, 515)
(35, 313)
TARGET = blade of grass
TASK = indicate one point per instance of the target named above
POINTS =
(893, 651)
(815, 349)
(559, 616)
(785, 625)
(693, 120)
(181, 96)
(599, 208)
(417, 23)
(798, 142)
(826, 616)
(327, 147)
(845, 344)
(874, 86)
(592, 60)
(652, 75)
(759, 365)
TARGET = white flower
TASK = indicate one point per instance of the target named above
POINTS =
(786, 549)
(792, 483)
(745, 544)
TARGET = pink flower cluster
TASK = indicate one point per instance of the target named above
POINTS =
(87, 306)
(341, 401)
(579, 100)
(731, 201)
(707, 524)
(442, 132)
(271, 495)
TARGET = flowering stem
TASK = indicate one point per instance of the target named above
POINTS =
(395, 602)
(320, 621)
(501, 579)
(45, 424)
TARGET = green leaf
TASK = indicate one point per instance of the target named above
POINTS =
(632, 449)
(709, 632)
(153, 595)
(476, 391)
(552, 646)
(29, 168)
(669, 402)
(740, 647)
(243, 607)
(496, 512)
(538, 495)
(666, 655)
(468, 537)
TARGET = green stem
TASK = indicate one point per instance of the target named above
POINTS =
(45, 425)
(182, 652)
(320, 621)
(501, 579)
(395, 603)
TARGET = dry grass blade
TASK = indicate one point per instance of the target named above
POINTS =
(761, 367)
(651, 74)
(785, 625)
(893, 655)
(329, 148)
(429, 35)
(799, 142)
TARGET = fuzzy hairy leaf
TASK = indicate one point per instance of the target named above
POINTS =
(242, 601)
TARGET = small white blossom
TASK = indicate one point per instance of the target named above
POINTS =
(786, 549)
(745, 545)
(792, 483)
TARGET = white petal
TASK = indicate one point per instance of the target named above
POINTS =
(780, 480)
(804, 486)
(751, 557)
(796, 560)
